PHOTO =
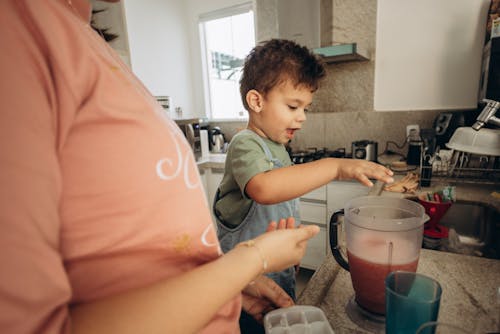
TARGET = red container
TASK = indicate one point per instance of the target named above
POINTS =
(436, 211)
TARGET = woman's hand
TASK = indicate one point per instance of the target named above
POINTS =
(263, 295)
(284, 224)
(283, 248)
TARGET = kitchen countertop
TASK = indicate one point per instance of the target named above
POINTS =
(487, 194)
(470, 291)
(471, 285)
(213, 160)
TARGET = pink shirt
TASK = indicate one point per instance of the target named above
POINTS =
(99, 192)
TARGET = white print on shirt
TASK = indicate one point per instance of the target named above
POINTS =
(180, 164)
(208, 229)
(187, 165)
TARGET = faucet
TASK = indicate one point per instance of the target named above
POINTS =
(487, 115)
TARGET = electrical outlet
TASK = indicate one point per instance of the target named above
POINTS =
(412, 128)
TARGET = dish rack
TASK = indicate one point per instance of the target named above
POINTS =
(459, 167)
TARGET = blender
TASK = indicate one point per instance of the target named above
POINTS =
(383, 234)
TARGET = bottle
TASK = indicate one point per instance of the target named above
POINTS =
(414, 151)
(426, 171)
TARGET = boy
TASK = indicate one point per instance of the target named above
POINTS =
(260, 184)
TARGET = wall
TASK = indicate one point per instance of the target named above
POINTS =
(165, 54)
(342, 111)
(159, 49)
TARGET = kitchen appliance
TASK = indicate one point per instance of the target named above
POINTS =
(191, 130)
(445, 124)
(382, 234)
(314, 153)
(365, 149)
(490, 71)
(217, 140)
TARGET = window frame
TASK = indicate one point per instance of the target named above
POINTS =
(202, 19)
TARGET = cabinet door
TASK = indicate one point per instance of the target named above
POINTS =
(214, 176)
(316, 250)
(203, 177)
(431, 58)
(312, 212)
(318, 194)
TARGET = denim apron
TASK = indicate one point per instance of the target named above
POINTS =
(256, 221)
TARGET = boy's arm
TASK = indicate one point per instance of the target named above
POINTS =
(287, 183)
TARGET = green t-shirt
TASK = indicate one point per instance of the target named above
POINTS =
(245, 159)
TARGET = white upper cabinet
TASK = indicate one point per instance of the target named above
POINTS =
(428, 54)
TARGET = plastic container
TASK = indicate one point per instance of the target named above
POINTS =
(300, 319)
(484, 141)
(436, 211)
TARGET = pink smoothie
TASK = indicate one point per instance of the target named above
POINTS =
(368, 281)
(369, 265)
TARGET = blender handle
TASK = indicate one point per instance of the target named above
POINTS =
(334, 240)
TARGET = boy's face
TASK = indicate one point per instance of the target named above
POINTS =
(281, 112)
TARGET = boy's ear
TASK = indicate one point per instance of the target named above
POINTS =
(254, 100)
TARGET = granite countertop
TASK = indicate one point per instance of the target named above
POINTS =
(471, 285)
(470, 291)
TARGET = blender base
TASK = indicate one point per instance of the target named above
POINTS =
(372, 322)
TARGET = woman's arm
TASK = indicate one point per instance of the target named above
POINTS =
(185, 303)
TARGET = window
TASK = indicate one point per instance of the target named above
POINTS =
(227, 36)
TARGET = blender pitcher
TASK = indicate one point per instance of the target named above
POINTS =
(383, 234)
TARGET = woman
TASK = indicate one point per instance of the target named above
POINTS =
(104, 224)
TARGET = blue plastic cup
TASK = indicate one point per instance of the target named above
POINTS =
(411, 299)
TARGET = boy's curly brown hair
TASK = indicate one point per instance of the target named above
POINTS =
(272, 62)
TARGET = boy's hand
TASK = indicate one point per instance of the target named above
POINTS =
(363, 171)
(283, 224)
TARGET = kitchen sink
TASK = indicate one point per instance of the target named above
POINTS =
(474, 229)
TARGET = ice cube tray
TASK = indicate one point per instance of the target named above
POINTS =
(301, 319)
